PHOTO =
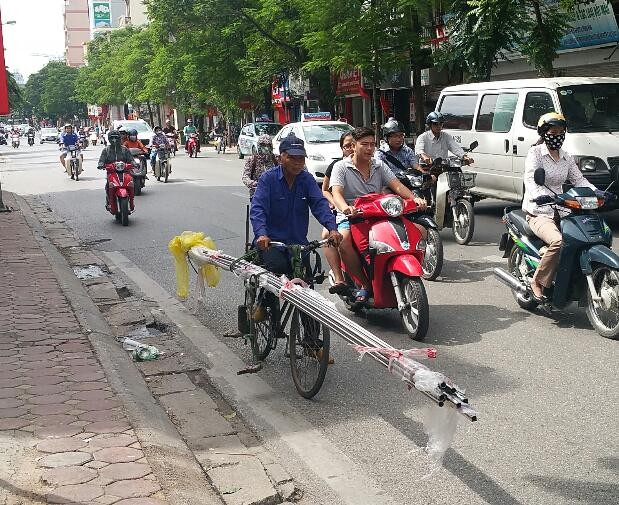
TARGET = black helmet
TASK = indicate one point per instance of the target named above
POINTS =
(132, 131)
(392, 126)
(114, 136)
(435, 117)
(157, 128)
(548, 120)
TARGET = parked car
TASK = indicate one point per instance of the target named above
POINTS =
(502, 116)
(49, 135)
(247, 143)
(322, 142)
(145, 132)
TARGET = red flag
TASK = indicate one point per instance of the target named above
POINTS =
(4, 92)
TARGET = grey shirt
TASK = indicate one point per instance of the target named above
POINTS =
(346, 175)
(429, 145)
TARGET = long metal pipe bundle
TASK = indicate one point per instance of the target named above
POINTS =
(436, 386)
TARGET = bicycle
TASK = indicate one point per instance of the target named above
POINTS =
(263, 321)
(222, 144)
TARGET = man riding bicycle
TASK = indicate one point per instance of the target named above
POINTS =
(280, 207)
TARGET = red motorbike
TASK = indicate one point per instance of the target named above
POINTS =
(120, 191)
(393, 262)
(192, 145)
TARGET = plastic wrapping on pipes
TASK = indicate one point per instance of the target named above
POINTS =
(179, 246)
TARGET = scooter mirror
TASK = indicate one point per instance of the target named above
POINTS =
(473, 145)
(438, 162)
(319, 174)
(539, 176)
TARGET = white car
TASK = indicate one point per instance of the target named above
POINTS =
(49, 135)
(145, 132)
(322, 142)
(248, 138)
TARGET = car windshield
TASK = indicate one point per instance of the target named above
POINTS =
(324, 133)
(267, 128)
(140, 127)
(49, 131)
(590, 107)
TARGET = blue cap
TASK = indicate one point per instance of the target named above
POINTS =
(292, 145)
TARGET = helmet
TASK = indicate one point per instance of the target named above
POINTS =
(68, 125)
(157, 128)
(265, 140)
(392, 126)
(189, 120)
(546, 121)
(168, 121)
(132, 131)
(114, 136)
(435, 117)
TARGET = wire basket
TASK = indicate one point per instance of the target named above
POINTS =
(461, 180)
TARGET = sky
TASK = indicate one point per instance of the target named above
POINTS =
(37, 36)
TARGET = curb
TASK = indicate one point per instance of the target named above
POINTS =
(174, 464)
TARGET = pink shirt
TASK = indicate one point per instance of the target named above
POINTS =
(557, 173)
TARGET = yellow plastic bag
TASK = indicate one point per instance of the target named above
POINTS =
(179, 246)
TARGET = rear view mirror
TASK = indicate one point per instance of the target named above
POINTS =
(473, 145)
(319, 174)
(539, 176)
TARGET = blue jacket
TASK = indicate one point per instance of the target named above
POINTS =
(70, 139)
(282, 213)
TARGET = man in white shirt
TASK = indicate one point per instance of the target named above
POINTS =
(435, 143)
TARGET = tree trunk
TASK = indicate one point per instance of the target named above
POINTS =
(159, 115)
(376, 96)
(418, 94)
(150, 112)
(545, 65)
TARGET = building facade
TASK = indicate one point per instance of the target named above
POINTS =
(76, 31)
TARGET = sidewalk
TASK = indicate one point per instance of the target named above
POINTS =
(64, 437)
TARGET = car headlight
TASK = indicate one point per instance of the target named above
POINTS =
(393, 206)
(316, 157)
(590, 163)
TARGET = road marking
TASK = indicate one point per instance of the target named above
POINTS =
(320, 455)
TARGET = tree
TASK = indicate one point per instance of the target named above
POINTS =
(16, 98)
(50, 92)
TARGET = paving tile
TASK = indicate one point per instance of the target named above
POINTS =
(54, 420)
(9, 374)
(57, 431)
(46, 380)
(65, 459)
(102, 415)
(97, 465)
(12, 412)
(123, 471)
(108, 427)
(13, 424)
(75, 493)
(9, 367)
(37, 349)
(97, 404)
(112, 440)
(54, 408)
(95, 395)
(66, 475)
(10, 403)
(10, 393)
(89, 385)
(141, 501)
(132, 488)
(118, 454)
(48, 390)
(47, 399)
(75, 347)
(55, 445)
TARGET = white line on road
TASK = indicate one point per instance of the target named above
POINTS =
(336, 469)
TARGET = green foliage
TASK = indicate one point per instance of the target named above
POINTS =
(50, 92)
(16, 98)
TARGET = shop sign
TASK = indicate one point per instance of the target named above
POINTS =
(316, 116)
(348, 82)
(592, 24)
(101, 14)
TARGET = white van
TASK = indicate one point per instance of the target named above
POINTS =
(502, 116)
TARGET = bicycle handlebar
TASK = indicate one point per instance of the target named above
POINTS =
(315, 244)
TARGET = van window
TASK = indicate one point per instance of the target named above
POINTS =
(590, 107)
(536, 104)
(458, 111)
(496, 112)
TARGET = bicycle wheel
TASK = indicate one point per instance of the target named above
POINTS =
(263, 317)
(309, 343)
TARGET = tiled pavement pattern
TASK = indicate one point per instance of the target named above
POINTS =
(56, 407)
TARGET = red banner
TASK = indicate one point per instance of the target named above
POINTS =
(348, 82)
(4, 92)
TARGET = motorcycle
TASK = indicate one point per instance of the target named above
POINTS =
(31, 139)
(220, 144)
(120, 191)
(396, 250)
(15, 140)
(192, 145)
(172, 139)
(453, 186)
(421, 184)
(2, 139)
(83, 143)
(93, 138)
(73, 162)
(588, 269)
(162, 163)
(139, 170)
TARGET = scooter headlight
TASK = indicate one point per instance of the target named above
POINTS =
(587, 202)
(393, 206)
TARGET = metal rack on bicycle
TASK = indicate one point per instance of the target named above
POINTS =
(461, 180)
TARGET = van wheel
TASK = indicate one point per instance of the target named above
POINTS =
(238, 150)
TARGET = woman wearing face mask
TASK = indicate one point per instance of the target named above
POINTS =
(258, 164)
(560, 168)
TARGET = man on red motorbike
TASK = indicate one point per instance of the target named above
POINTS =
(112, 153)
(357, 176)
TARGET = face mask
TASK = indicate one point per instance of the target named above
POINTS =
(133, 138)
(554, 141)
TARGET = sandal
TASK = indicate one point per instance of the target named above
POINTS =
(362, 296)
(338, 288)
